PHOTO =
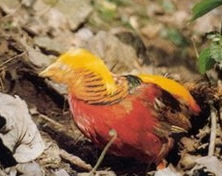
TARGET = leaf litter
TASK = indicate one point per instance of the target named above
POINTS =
(130, 40)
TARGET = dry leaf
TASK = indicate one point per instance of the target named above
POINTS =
(169, 171)
(211, 163)
(18, 132)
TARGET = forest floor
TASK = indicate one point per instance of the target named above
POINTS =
(131, 36)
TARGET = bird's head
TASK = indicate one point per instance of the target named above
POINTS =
(65, 68)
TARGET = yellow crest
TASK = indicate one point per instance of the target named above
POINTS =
(80, 59)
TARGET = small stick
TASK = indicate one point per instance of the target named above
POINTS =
(75, 160)
(220, 117)
(213, 132)
(2, 87)
(195, 47)
(113, 134)
(11, 58)
(51, 121)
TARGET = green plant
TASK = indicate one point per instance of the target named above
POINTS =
(213, 53)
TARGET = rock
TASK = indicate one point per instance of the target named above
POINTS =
(118, 56)
(9, 5)
(56, 45)
(50, 45)
(36, 57)
(76, 11)
(71, 13)
(81, 37)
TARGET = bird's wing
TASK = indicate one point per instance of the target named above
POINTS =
(172, 112)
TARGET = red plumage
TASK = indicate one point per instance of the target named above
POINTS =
(132, 118)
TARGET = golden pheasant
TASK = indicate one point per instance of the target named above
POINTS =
(144, 110)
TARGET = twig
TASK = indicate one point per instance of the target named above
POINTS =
(11, 58)
(113, 134)
(220, 117)
(51, 121)
(195, 47)
(75, 160)
(213, 132)
(2, 87)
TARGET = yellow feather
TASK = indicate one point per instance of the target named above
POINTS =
(81, 59)
(172, 87)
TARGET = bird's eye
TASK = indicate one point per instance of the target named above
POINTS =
(63, 67)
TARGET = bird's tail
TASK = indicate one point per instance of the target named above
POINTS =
(204, 92)
(206, 96)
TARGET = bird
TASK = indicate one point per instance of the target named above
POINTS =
(144, 110)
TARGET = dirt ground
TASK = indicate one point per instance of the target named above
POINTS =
(132, 37)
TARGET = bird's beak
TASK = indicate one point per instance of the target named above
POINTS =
(55, 72)
(49, 71)
(43, 73)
